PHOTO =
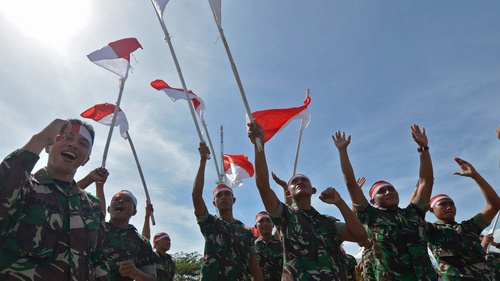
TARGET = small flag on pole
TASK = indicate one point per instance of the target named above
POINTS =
(115, 57)
(177, 93)
(103, 113)
(236, 168)
(274, 120)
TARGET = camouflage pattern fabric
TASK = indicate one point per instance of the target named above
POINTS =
(311, 242)
(228, 248)
(399, 240)
(49, 230)
(270, 257)
(367, 261)
(458, 251)
(165, 267)
(350, 267)
(123, 244)
(493, 261)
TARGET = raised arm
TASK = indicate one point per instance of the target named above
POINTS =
(353, 230)
(341, 142)
(99, 177)
(200, 208)
(268, 196)
(492, 200)
(146, 229)
(426, 172)
(286, 198)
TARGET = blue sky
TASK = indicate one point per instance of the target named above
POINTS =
(373, 68)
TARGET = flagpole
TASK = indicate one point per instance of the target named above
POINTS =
(223, 177)
(113, 121)
(299, 140)
(235, 72)
(148, 199)
(493, 230)
(181, 77)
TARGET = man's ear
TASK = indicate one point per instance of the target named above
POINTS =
(213, 202)
(134, 212)
(109, 209)
(47, 148)
(314, 190)
(372, 201)
(287, 193)
(234, 200)
(431, 210)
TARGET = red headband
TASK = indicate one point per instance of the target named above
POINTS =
(376, 186)
(159, 236)
(260, 216)
(220, 188)
(437, 198)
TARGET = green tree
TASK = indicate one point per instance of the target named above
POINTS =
(187, 266)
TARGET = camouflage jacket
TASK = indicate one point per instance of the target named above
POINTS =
(367, 261)
(458, 251)
(399, 240)
(123, 244)
(270, 257)
(165, 267)
(350, 267)
(228, 249)
(49, 230)
(311, 242)
(493, 260)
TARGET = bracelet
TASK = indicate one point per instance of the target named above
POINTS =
(423, 148)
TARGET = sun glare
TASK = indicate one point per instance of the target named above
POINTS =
(51, 22)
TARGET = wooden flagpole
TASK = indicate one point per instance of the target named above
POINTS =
(184, 87)
(233, 67)
(113, 121)
(298, 141)
(148, 199)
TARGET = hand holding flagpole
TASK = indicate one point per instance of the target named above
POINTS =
(215, 7)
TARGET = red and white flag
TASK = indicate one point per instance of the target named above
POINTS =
(236, 168)
(103, 113)
(177, 93)
(274, 120)
(160, 7)
(115, 57)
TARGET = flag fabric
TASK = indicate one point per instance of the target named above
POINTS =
(160, 7)
(177, 93)
(115, 57)
(215, 5)
(103, 113)
(236, 168)
(274, 120)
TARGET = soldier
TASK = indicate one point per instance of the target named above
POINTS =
(129, 254)
(269, 248)
(350, 266)
(51, 229)
(311, 241)
(229, 252)
(456, 246)
(165, 265)
(492, 256)
(398, 235)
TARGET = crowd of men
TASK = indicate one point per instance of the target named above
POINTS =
(52, 229)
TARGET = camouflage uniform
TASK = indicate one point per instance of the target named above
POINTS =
(493, 260)
(165, 267)
(367, 261)
(350, 267)
(50, 230)
(458, 251)
(399, 240)
(228, 248)
(311, 242)
(123, 244)
(270, 257)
